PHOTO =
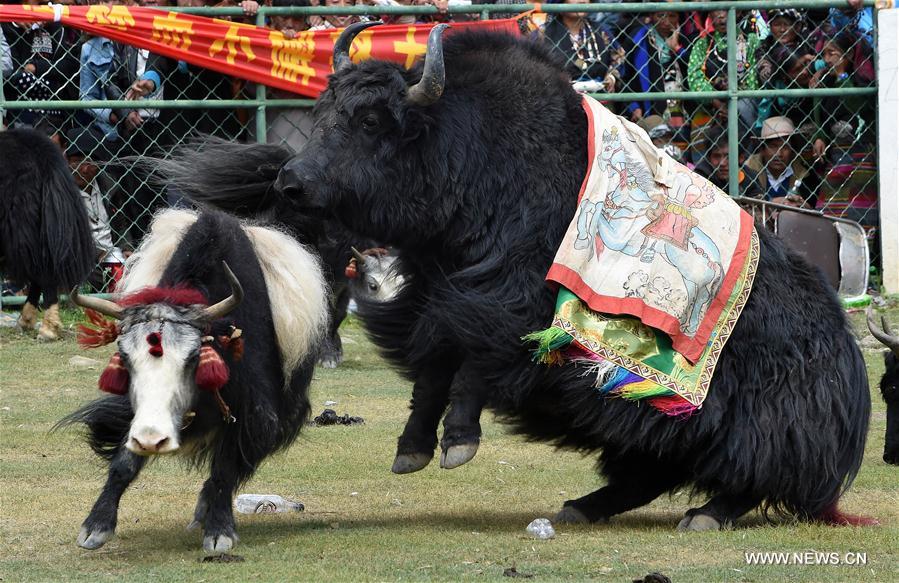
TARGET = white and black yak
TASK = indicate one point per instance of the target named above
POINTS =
(889, 386)
(470, 165)
(211, 363)
(45, 234)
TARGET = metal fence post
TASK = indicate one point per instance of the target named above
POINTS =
(888, 147)
(733, 109)
(261, 122)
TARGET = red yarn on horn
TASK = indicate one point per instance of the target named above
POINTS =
(212, 372)
(115, 377)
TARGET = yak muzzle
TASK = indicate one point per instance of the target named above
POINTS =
(151, 442)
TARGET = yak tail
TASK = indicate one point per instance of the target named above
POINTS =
(237, 178)
(107, 422)
(66, 228)
(832, 516)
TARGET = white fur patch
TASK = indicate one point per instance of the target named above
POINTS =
(146, 265)
(296, 290)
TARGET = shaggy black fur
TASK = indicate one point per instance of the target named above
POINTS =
(476, 192)
(45, 235)
(889, 388)
(269, 416)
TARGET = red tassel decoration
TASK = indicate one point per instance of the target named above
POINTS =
(105, 331)
(351, 271)
(154, 339)
(115, 376)
(212, 372)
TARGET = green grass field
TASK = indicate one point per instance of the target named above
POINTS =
(364, 523)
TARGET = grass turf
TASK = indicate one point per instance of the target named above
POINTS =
(364, 523)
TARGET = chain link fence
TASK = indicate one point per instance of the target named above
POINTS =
(776, 104)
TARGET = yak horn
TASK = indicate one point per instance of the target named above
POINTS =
(359, 256)
(886, 336)
(433, 77)
(227, 305)
(105, 307)
(342, 45)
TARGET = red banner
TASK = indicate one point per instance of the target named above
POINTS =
(299, 65)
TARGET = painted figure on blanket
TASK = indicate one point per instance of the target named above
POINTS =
(632, 221)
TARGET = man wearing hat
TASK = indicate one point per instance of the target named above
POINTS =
(780, 175)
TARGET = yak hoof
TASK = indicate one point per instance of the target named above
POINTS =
(93, 539)
(698, 523)
(329, 362)
(571, 515)
(406, 463)
(47, 334)
(456, 455)
(218, 543)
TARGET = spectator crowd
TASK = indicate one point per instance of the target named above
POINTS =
(804, 150)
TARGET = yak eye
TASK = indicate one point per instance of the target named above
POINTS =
(370, 122)
(373, 286)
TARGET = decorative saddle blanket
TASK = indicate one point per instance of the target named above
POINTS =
(655, 269)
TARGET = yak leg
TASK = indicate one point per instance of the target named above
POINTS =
(462, 426)
(28, 318)
(332, 347)
(719, 512)
(632, 483)
(51, 325)
(214, 503)
(99, 526)
(430, 396)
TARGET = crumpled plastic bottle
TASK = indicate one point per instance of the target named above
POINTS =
(542, 529)
(265, 504)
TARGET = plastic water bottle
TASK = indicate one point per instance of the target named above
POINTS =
(265, 504)
(541, 528)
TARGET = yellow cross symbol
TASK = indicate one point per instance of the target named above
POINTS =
(409, 47)
(173, 32)
(231, 41)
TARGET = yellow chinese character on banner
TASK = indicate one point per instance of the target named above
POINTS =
(113, 16)
(169, 30)
(231, 42)
(290, 57)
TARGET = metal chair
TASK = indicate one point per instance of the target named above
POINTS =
(837, 246)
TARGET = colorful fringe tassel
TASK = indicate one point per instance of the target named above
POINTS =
(557, 347)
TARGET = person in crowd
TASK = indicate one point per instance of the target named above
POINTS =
(81, 154)
(656, 61)
(707, 71)
(779, 173)
(716, 165)
(846, 122)
(121, 72)
(587, 51)
(330, 21)
(43, 67)
(786, 25)
(186, 81)
(289, 127)
(794, 71)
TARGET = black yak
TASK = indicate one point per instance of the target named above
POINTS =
(889, 386)
(45, 234)
(172, 392)
(472, 171)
